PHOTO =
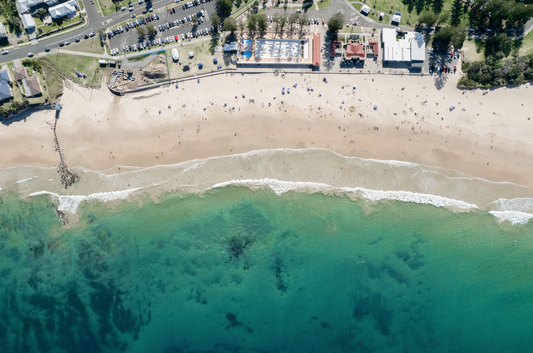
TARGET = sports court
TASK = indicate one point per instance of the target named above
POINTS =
(282, 49)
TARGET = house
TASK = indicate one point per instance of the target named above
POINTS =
(66, 9)
(27, 21)
(355, 50)
(373, 46)
(25, 6)
(4, 77)
(5, 90)
(410, 47)
(32, 87)
(3, 32)
(336, 47)
(20, 73)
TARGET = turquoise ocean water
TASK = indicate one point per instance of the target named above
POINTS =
(238, 270)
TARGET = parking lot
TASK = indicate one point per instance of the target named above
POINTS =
(130, 36)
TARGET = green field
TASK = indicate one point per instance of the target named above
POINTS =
(323, 4)
(70, 64)
(408, 13)
(203, 53)
(527, 45)
(90, 45)
(470, 51)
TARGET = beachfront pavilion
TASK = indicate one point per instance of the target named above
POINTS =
(410, 48)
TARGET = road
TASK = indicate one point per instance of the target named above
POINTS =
(97, 21)
(131, 37)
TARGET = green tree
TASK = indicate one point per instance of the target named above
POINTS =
(101, 33)
(262, 23)
(151, 29)
(140, 31)
(443, 18)
(336, 22)
(256, 4)
(251, 23)
(293, 18)
(230, 25)
(304, 20)
(215, 21)
(282, 22)
(194, 19)
(225, 6)
(428, 18)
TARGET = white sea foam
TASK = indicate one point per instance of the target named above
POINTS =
(512, 216)
(279, 187)
(24, 180)
(518, 204)
(70, 203)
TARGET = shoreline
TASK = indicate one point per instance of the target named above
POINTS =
(129, 133)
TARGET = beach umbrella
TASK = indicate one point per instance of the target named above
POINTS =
(375, 107)
(176, 85)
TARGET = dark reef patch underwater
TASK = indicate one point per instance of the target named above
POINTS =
(238, 270)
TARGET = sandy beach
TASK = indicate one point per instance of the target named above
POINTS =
(486, 135)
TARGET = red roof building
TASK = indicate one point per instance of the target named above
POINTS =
(355, 49)
(316, 50)
(375, 45)
(335, 44)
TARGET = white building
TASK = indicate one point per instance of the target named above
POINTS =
(66, 9)
(365, 10)
(410, 48)
(26, 5)
(27, 21)
(3, 32)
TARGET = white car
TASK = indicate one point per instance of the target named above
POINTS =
(123, 8)
(131, 9)
(140, 2)
(4, 52)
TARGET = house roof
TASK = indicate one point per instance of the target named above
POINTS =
(5, 92)
(375, 45)
(27, 21)
(3, 32)
(334, 44)
(316, 49)
(25, 5)
(63, 9)
(355, 49)
(4, 77)
(32, 86)
(20, 73)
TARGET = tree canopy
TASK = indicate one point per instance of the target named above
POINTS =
(225, 6)
(215, 21)
(230, 25)
(336, 22)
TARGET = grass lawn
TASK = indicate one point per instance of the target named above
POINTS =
(408, 13)
(202, 54)
(70, 64)
(323, 4)
(57, 25)
(470, 50)
(527, 45)
(54, 83)
(108, 7)
(91, 45)
(357, 6)
(351, 29)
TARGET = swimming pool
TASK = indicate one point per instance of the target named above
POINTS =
(246, 48)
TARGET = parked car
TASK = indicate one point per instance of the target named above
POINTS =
(67, 42)
(91, 34)
(30, 55)
(123, 8)
(77, 40)
(133, 15)
(5, 52)
(61, 44)
(47, 49)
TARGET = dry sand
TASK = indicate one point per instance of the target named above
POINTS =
(490, 139)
